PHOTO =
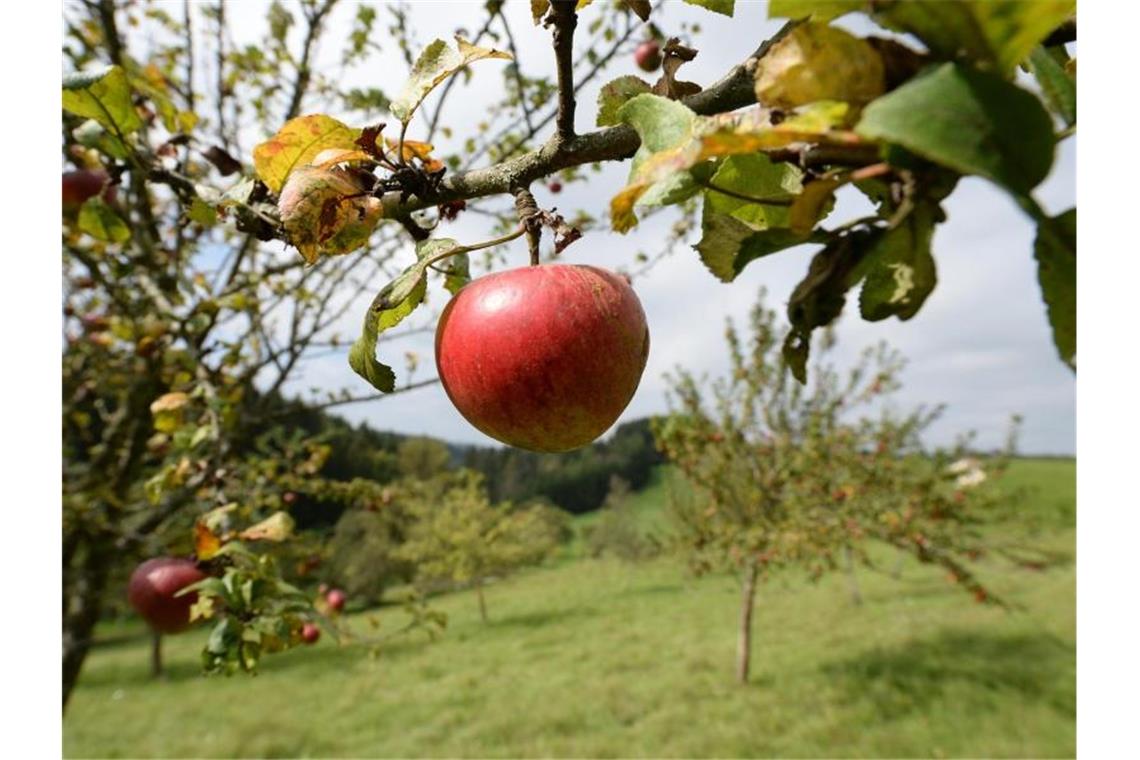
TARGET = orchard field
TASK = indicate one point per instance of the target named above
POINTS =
(596, 657)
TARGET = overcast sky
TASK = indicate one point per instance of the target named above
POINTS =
(980, 344)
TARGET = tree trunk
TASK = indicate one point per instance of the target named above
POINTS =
(744, 640)
(84, 604)
(897, 572)
(156, 654)
(482, 602)
(849, 566)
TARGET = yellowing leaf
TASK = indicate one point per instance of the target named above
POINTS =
(436, 63)
(538, 9)
(811, 205)
(327, 159)
(816, 62)
(326, 211)
(206, 542)
(296, 144)
(276, 527)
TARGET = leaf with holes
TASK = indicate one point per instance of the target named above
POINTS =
(899, 267)
(436, 63)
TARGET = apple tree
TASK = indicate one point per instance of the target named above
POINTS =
(187, 320)
(459, 537)
(791, 475)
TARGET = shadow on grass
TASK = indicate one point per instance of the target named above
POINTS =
(540, 618)
(1033, 667)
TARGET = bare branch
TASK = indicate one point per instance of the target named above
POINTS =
(304, 73)
(564, 16)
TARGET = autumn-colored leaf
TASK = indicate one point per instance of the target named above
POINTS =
(206, 542)
(436, 63)
(277, 527)
(296, 144)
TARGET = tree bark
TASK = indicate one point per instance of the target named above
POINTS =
(84, 603)
(156, 654)
(744, 638)
(849, 567)
(482, 602)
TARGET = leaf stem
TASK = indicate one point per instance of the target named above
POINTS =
(743, 197)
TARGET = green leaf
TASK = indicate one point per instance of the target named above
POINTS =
(727, 244)
(1059, 88)
(614, 95)
(666, 127)
(754, 176)
(436, 63)
(1056, 252)
(458, 272)
(297, 143)
(100, 221)
(724, 7)
(816, 62)
(817, 10)
(819, 298)
(92, 134)
(103, 95)
(968, 121)
(202, 213)
(991, 34)
(226, 634)
(391, 305)
(900, 268)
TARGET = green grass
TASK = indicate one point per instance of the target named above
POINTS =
(596, 658)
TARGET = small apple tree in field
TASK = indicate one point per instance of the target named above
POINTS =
(218, 222)
(785, 474)
(458, 536)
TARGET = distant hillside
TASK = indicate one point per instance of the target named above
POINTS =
(576, 481)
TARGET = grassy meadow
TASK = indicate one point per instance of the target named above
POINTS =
(597, 658)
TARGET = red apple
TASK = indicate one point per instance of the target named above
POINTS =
(555, 186)
(289, 497)
(335, 599)
(648, 55)
(152, 590)
(80, 185)
(310, 633)
(543, 357)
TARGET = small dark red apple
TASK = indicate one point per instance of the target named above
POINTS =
(543, 357)
(310, 633)
(335, 598)
(152, 590)
(648, 55)
(555, 186)
(80, 185)
(289, 497)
